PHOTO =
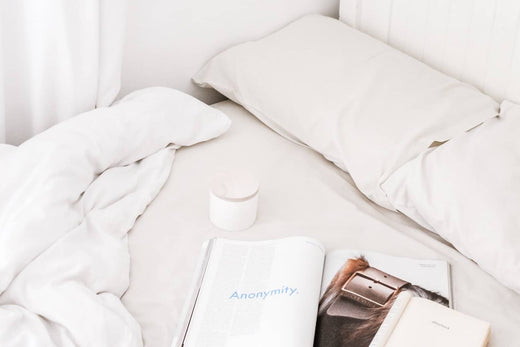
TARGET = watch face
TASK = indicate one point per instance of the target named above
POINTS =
(367, 291)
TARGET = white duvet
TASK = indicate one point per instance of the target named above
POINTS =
(68, 197)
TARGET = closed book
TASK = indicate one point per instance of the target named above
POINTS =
(415, 321)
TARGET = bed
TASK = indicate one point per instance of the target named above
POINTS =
(301, 193)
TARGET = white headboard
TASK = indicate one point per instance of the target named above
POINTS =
(169, 40)
(476, 41)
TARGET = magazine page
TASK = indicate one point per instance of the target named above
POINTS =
(262, 293)
(358, 289)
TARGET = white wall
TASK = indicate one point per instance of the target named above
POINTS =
(169, 40)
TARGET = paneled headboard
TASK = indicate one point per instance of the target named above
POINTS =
(476, 41)
(169, 40)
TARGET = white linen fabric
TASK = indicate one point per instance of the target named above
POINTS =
(58, 58)
(362, 104)
(468, 191)
(301, 193)
(476, 41)
(69, 196)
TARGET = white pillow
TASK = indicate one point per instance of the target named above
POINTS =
(364, 105)
(468, 191)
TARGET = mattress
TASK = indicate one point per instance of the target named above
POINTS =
(301, 193)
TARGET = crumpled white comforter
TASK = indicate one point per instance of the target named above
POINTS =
(68, 197)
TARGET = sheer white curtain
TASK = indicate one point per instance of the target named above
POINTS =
(57, 58)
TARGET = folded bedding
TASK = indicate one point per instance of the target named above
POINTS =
(69, 197)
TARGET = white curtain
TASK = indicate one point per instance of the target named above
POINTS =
(57, 58)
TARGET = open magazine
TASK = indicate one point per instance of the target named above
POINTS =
(290, 292)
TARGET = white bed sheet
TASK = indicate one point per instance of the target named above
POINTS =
(300, 194)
